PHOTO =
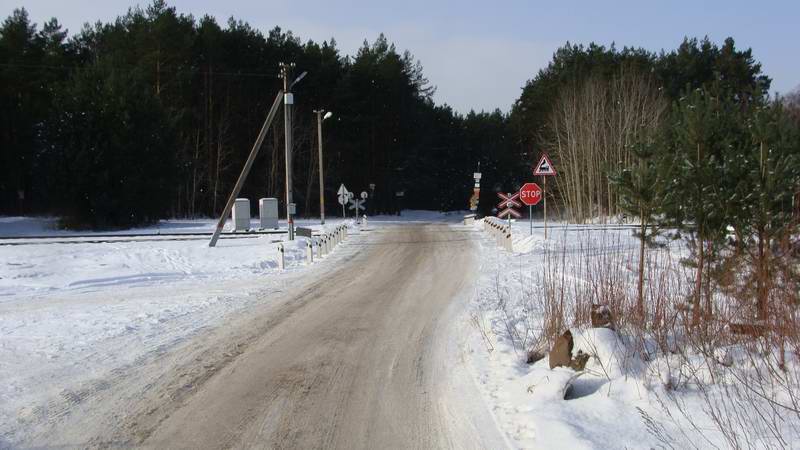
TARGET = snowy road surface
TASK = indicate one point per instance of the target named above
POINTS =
(359, 355)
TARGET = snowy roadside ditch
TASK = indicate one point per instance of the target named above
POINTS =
(647, 386)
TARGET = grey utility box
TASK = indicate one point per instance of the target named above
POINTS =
(241, 214)
(268, 213)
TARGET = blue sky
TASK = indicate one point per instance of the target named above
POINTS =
(479, 54)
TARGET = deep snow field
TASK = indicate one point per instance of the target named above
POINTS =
(72, 312)
(620, 400)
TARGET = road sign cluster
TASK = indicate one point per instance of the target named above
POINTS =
(530, 194)
(344, 195)
(355, 203)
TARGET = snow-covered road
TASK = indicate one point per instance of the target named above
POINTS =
(359, 351)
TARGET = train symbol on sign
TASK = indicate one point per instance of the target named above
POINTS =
(545, 167)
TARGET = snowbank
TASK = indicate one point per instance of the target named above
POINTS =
(42, 268)
(72, 313)
(621, 399)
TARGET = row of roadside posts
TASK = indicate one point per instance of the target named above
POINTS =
(500, 231)
(324, 244)
(530, 194)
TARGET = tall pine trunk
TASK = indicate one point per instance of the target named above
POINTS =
(762, 277)
(762, 265)
(698, 282)
(709, 313)
(640, 299)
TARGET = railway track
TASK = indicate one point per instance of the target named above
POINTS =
(126, 237)
(107, 238)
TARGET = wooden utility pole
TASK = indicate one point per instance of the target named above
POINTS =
(288, 101)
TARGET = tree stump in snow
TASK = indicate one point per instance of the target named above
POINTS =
(578, 363)
(561, 353)
(601, 317)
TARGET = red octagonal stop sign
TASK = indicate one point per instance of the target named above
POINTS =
(530, 194)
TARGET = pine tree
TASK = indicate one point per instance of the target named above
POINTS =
(703, 128)
(21, 106)
(110, 145)
(766, 167)
(640, 190)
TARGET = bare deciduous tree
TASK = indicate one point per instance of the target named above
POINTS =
(591, 128)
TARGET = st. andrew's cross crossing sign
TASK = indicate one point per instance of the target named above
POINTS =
(507, 205)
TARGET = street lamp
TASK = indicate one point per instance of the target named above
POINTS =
(320, 119)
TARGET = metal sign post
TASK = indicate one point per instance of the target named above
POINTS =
(545, 169)
(372, 196)
(476, 192)
(357, 204)
(344, 197)
(399, 199)
(544, 183)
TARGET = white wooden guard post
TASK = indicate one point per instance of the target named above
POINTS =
(281, 257)
(500, 232)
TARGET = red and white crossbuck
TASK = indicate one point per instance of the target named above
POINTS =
(507, 205)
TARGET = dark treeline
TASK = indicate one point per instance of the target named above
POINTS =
(592, 103)
(153, 116)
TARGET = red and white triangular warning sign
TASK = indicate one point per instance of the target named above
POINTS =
(545, 167)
